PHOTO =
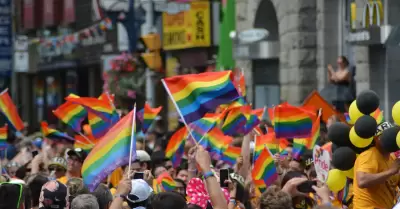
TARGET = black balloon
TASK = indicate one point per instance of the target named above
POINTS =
(388, 139)
(338, 133)
(343, 158)
(365, 127)
(367, 102)
(334, 147)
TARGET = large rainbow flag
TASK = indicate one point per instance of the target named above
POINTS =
(194, 95)
(111, 152)
(292, 122)
(8, 108)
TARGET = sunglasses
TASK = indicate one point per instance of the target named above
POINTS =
(56, 169)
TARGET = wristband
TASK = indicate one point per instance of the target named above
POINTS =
(232, 201)
(119, 195)
(208, 174)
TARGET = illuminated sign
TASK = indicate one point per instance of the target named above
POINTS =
(372, 14)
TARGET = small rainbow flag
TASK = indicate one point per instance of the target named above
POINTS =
(266, 141)
(54, 134)
(231, 154)
(283, 144)
(378, 115)
(3, 137)
(157, 188)
(194, 95)
(166, 181)
(111, 152)
(236, 120)
(292, 122)
(264, 168)
(314, 133)
(252, 123)
(214, 141)
(271, 114)
(299, 146)
(176, 146)
(8, 108)
(81, 142)
(147, 115)
(71, 114)
(240, 83)
(97, 124)
(101, 108)
(203, 125)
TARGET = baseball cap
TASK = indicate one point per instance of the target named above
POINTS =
(79, 153)
(58, 161)
(53, 195)
(140, 191)
(142, 156)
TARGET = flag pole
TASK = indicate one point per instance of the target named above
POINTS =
(132, 140)
(85, 137)
(179, 111)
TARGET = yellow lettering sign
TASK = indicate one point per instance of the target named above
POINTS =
(372, 14)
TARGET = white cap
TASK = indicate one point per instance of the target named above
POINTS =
(142, 156)
(140, 191)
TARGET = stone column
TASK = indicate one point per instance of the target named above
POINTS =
(298, 41)
(361, 55)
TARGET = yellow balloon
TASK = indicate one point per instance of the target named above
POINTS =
(358, 141)
(396, 113)
(398, 139)
(354, 113)
(349, 173)
(336, 180)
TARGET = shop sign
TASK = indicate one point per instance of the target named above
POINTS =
(365, 36)
(187, 29)
(372, 14)
(171, 7)
(6, 35)
(253, 35)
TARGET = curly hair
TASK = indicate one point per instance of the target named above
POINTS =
(274, 198)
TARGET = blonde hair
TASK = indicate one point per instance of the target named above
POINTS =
(274, 198)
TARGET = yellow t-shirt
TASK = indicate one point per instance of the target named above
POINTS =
(377, 196)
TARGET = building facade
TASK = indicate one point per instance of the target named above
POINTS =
(311, 34)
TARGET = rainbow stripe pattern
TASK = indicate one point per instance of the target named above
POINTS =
(3, 137)
(111, 152)
(266, 141)
(214, 141)
(240, 84)
(260, 185)
(197, 94)
(299, 146)
(236, 120)
(147, 115)
(101, 108)
(176, 146)
(97, 124)
(291, 122)
(314, 134)
(231, 154)
(252, 123)
(264, 168)
(378, 115)
(71, 114)
(8, 108)
(54, 134)
(81, 142)
(166, 181)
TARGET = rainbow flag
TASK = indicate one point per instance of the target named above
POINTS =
(292, 122)
(214, 141)
(347, 117)
(97, 124)
(147, 115)
(81, 142)
(54, 134)
(231, 154)
(205, 124)
(240, 82)
(111, 152)
(314, 134)
(378, 115)
(252, 123)
(176, 146)
(166, 181)
(264, 168)
(194, 95)
(236, 120)
(299, 146)
(260, 185)
(3, 137)
(71, 114)
(283, 144)
(271, 115)
(157, 188)
(259, 112)
(8, 108)
(101, 108)
(266, 141)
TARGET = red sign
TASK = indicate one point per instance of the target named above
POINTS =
(69, 11)
(48, 13)
(28, 18)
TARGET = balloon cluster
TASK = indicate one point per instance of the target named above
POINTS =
(350, 141)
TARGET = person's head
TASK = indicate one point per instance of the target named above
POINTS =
(12, 196)
(35, 183)
(139, 194)
(12, 168)
(75, 160)
(23, 171)
(85, 201)
(54, 194)
(180, 187)
(170, 168)
(103, 196)
(182, 174)
(342, 61)
(76, 187)
(58, 165)
(274, 198)
(159, 169)
(168, 200)
(296, 165)
(292, 174)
